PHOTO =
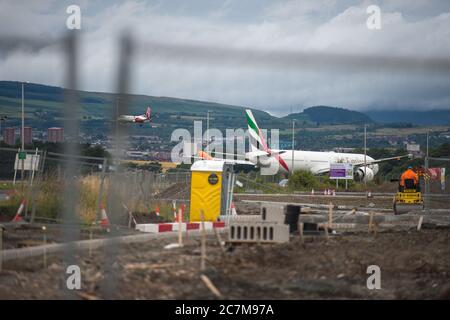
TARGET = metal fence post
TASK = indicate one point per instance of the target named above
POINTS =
(427, 187)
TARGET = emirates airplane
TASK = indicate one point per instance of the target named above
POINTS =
(146, 117)
(285, 161)
(313, 161)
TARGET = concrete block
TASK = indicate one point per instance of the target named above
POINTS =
(258, 231)
(273, 212)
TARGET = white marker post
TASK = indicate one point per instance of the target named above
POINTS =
(44, 228)
(419, 225)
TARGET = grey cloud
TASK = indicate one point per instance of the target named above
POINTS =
(267, 54)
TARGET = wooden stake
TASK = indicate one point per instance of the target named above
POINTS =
(330, 215)
(325, 227)
(90, 242)
(219, 239)
(203, 242)
(211, 286)
(370, 222)
(300, 231)
(180, 234)
(1, 248)
(419, 225)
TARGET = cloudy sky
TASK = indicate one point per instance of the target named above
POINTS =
(267, 42)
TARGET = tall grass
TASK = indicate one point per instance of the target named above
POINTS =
(49, 197)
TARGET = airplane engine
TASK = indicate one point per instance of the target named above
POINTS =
(359, 174)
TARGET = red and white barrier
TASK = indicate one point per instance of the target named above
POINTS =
(169, 227)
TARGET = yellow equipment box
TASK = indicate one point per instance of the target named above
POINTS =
(409, 197)
(211, 189)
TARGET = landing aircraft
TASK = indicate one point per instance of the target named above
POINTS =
(140, 119)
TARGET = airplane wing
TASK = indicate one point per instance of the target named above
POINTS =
(244, 162)
(369, 162)
(251, 154)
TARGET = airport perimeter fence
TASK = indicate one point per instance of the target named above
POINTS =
(144, 193)
(41, 188)
(436, 189)
(40, 182)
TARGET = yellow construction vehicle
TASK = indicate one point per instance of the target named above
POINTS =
(408, 198)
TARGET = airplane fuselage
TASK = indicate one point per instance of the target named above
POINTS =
(316, 162)
(134, 119)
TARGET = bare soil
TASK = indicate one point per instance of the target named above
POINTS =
(349, 201)
(414, 265)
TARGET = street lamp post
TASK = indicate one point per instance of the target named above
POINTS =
(23, 133)
(365, 156)
(293, 145)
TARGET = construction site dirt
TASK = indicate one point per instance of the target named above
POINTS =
(413, 265)
(350, 201)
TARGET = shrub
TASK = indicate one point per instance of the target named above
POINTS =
(302, 180)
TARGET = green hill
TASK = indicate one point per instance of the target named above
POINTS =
(329, 115)
(44, 107)
(333, 115)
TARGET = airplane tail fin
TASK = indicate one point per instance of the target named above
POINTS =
(148, 113)
(256, 137)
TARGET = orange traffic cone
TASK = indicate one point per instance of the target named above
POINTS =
(17, 217)
(157, 211)
(104, 221)
(233, 210)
